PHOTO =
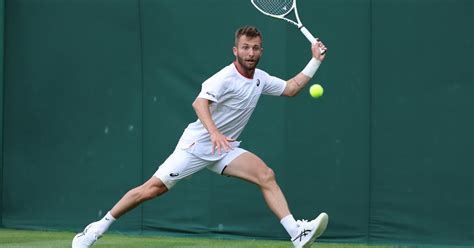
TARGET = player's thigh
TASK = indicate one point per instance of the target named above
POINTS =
(179, 165)
(248, 166)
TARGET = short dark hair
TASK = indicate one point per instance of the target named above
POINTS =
(249, 31)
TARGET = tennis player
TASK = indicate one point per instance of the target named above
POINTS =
(223, 107)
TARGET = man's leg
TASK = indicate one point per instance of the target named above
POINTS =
(179, 165)
(149, 190)
(251, 168)
(152, 188)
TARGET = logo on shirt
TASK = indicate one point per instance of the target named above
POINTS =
(258, 82)
(174, 174)
(209, 93)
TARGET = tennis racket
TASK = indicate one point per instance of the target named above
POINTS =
(280, 9)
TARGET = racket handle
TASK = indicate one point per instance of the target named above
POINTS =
(310, 37)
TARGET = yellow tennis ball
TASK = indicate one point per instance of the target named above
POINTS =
(316, 90)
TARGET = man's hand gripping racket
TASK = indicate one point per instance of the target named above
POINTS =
(280, 9)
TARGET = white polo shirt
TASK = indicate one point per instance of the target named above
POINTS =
(234, 98)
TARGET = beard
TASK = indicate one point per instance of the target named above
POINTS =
(250, 64)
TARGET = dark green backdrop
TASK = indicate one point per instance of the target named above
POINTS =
(96, 94)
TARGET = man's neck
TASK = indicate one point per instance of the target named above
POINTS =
(246, 73)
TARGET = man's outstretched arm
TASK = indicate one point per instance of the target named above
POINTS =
(298, 82)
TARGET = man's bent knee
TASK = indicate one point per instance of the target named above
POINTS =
(266, 177)
(152, 188)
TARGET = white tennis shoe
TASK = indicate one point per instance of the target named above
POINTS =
(308, 231)
(85, 239)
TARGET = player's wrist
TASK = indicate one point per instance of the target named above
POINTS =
(213, 131)
(311, 67)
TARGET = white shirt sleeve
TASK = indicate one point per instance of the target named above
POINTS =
(274, 86)
(212, 89)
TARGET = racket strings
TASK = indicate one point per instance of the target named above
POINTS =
(274, 7)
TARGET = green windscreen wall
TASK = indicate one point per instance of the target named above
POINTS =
(97, 93)
(423, 121)
(72, 110)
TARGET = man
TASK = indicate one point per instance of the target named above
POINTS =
(223, 107)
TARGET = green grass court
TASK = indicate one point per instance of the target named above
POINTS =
(42, 239)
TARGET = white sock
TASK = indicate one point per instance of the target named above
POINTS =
(289, 223)
(103, 225)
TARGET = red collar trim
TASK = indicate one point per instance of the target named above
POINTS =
(237, 68)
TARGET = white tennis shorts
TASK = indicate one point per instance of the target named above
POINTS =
(182, 163)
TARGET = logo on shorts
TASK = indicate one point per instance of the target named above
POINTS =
(174, 174)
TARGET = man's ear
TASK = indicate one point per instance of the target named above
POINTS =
(234, 50)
